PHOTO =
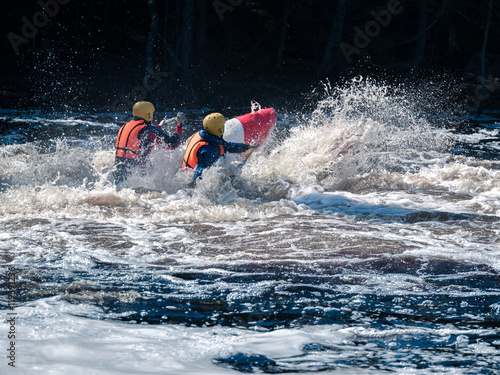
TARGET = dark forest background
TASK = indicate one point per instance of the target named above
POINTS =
(105, 54)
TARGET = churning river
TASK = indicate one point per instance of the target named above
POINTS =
(362, 238)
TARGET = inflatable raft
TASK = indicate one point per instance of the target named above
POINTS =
(251, 128)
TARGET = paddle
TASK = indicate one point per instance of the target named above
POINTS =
(246, 158)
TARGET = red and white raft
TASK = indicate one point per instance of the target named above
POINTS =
(251, 128)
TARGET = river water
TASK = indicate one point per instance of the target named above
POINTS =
(362, 238)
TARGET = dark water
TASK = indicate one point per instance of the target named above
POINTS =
(384, 259)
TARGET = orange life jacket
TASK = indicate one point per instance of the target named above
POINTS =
(127, 142)
(194, 144)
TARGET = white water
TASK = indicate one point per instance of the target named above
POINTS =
(357, 243)
(66, 343)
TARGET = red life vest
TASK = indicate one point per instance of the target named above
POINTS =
(194, 144)
(127, 142)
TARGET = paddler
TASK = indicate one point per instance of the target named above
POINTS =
(206, 146)
(138, 137)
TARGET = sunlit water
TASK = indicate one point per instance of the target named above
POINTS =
(363, 238)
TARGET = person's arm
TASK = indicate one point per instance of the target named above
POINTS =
(235, 148)
(171, 141)
(178, 130)
(207, 156)
(238, 148)
(181, 120)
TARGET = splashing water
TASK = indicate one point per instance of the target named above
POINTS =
(360, 242)
(356, 133)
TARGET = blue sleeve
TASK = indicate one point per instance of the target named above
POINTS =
(235, 148)
(207, 156)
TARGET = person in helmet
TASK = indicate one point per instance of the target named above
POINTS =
(138, 137)
(206, 146)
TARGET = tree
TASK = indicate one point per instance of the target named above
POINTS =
(153, 35)
(483, 52)
(418, 57)
(186, 38)
(281, 47)
(332, 52)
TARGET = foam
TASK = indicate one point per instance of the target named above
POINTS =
(364, 208)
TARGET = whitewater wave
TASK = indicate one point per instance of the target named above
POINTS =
(362, 137)
(357, 133)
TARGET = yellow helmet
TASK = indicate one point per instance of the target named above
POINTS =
(214, 124)
(143, 110)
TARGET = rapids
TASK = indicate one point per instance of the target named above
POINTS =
(362, 238)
